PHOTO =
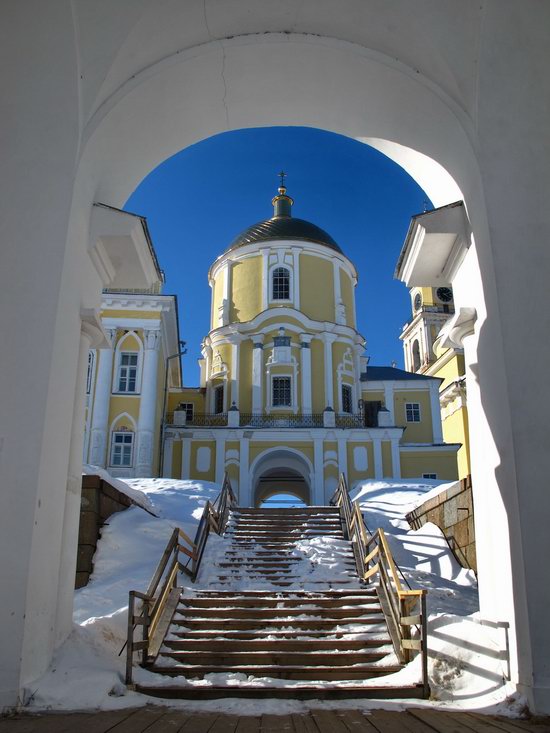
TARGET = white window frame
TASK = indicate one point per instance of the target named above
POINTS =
(290, 386)
(118, 357)
(121, 366)
(414, 406)
(272, 269)
(214, 393)
(114, 444)
(343, 386)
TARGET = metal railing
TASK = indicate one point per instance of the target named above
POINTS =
(200, 420)
(281, 421)
(349, 420)
(159, 601)
(403, 607)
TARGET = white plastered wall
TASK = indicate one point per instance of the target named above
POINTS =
(91, 113)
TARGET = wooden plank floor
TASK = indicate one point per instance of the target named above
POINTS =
(162, 720)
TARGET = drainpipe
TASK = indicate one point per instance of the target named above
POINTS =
(179, 354)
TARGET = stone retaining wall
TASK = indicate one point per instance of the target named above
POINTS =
(99, 501)
(453, 512)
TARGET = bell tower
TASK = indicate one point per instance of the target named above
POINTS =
(431, 308)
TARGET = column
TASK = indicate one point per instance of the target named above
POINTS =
(147, 404)
(90, 335)
(329, 339)
(436, 412)
(220, 458)
(318, 488)
(167, 456)
(357, 351)
(305, 353)
(257, 373)
(389, 400)
(244, 497)
(377, 450)
(343, 456)
(100, 409)
(395, 458)
(186, 456)
(234, 395)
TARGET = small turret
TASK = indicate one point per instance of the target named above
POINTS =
(282, 204)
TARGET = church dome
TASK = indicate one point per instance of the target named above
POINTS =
(283, 225)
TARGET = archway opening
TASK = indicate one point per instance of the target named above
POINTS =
(284, 500)
(282, 487)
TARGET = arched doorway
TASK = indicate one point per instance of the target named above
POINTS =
(148, 95)
(281, 471)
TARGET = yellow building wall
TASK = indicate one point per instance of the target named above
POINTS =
(275, 321)
(316, 288)
(371, 396)
(176, 459)
(450, 371)
(444, 465)
(204, 475)
(120, 404)
(420, 432)
(197, 399)
(346, 290)
(353, 474)
(120, 313)
(387, 464)
(246, 289)
(256, 448)
(456, 430)
(318, 376)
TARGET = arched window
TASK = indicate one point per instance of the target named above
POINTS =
(280, 284)
(416, 355)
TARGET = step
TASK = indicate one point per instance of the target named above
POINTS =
(329, 593)
(283, 659)
(269, 613)
(273, 623)
(299, 692)
(368, 638)
(360, 671)
(274, 645)
(274, 601)
(286, 512)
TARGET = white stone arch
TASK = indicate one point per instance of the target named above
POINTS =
(416, 110)
(119, 349)
(272, 458)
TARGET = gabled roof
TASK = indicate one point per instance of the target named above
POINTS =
(389, 373)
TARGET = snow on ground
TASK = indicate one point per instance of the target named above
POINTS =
(467, 659)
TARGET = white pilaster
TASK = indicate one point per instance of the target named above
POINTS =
(357, 351)
(329, 339)
(186, 457)
(244, 474)
(220, 458)
(296, 277)
(305, 341)
(436, 412)
(395, 458)
(389, 401)
(147, 404)
(343, 456)
(235, 352)
(318, 498)
(167, 456)
(378, 465)
(257, 373)
(100, 415)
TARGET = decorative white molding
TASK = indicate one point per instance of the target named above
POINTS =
(461, 325)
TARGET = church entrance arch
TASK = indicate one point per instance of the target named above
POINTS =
(281, 471)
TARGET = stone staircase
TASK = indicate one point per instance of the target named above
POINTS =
(280, 612)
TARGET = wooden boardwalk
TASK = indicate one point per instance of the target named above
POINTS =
(162, 720)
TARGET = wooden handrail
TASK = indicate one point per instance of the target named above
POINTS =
(159, 602)
(404, 608)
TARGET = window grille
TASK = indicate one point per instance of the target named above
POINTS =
(412, 411)
(347, 399)
(218, 399)
(122, 448)
(281, 284)
(127, 372)
(282, 392)
(429, 475)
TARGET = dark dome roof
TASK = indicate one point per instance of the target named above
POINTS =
(284, 227)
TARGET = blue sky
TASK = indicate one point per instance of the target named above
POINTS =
(197, 201)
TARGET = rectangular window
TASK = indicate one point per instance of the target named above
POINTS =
(412, 411)
(188, 407)
(347, 400)
(281, 284)
(218, 399)
(127, 372)
(429, 475)
(121, 449)
(282, 395)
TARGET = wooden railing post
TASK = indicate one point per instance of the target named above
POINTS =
(130, 638)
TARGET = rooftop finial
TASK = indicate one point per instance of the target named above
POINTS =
(282, 187)
(282, 203)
